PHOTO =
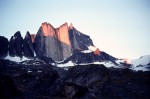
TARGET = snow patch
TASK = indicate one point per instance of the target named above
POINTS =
(29, 71)
(92, 48)
(70, 63)
(105, 63)
(140, 68)
(86, 51)
(17, 59)
(39, 71)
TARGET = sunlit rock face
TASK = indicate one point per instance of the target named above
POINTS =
(3, 47)
(28, 46)
(59, 43)
(97, 52)
(78, 39)
(63, 37)
(15, 45)
(54, 43)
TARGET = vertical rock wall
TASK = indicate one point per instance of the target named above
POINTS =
(3, 46)
(28, 46)
(15, 45)
(54, 43)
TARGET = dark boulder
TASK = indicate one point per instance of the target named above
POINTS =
(15, 45)
(28, 46)
(3, 47)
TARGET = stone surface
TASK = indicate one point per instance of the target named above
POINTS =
(79, 40)
(97, 52)
(28, 46)
(53, 42)
(3, 47)
(79, 57)
(15, 45)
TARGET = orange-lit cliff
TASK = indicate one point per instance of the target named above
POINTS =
(59, 43)
(54, 43)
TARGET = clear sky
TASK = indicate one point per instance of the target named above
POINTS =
(118, 27)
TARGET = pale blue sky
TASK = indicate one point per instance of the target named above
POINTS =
(119, 27)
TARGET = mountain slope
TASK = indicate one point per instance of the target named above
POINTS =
(61, 46)
(143, 63)
(143, 60)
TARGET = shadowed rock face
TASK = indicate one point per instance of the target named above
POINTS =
(78, 39)
(15, 45)
(3, 47)
(27, 46)
(33, 37)
(54, 43)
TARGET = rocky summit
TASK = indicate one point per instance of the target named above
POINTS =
(54, 43)
(63, 63)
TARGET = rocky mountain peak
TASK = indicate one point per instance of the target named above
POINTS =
(53, 42)
(47, 29)
(27, 34)
(28, 46)
(71, 26)
(63, 34)
(17, 34)
(97, 52)
(15, 45)
(56, 43)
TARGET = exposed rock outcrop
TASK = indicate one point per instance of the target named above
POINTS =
(28, 46)
(78, 39)
(3, 46)
(54, 43)
(15, 45)
(97, 52)
(79, 57)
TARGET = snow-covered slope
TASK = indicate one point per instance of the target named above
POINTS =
(143, 63)
(144, 60)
